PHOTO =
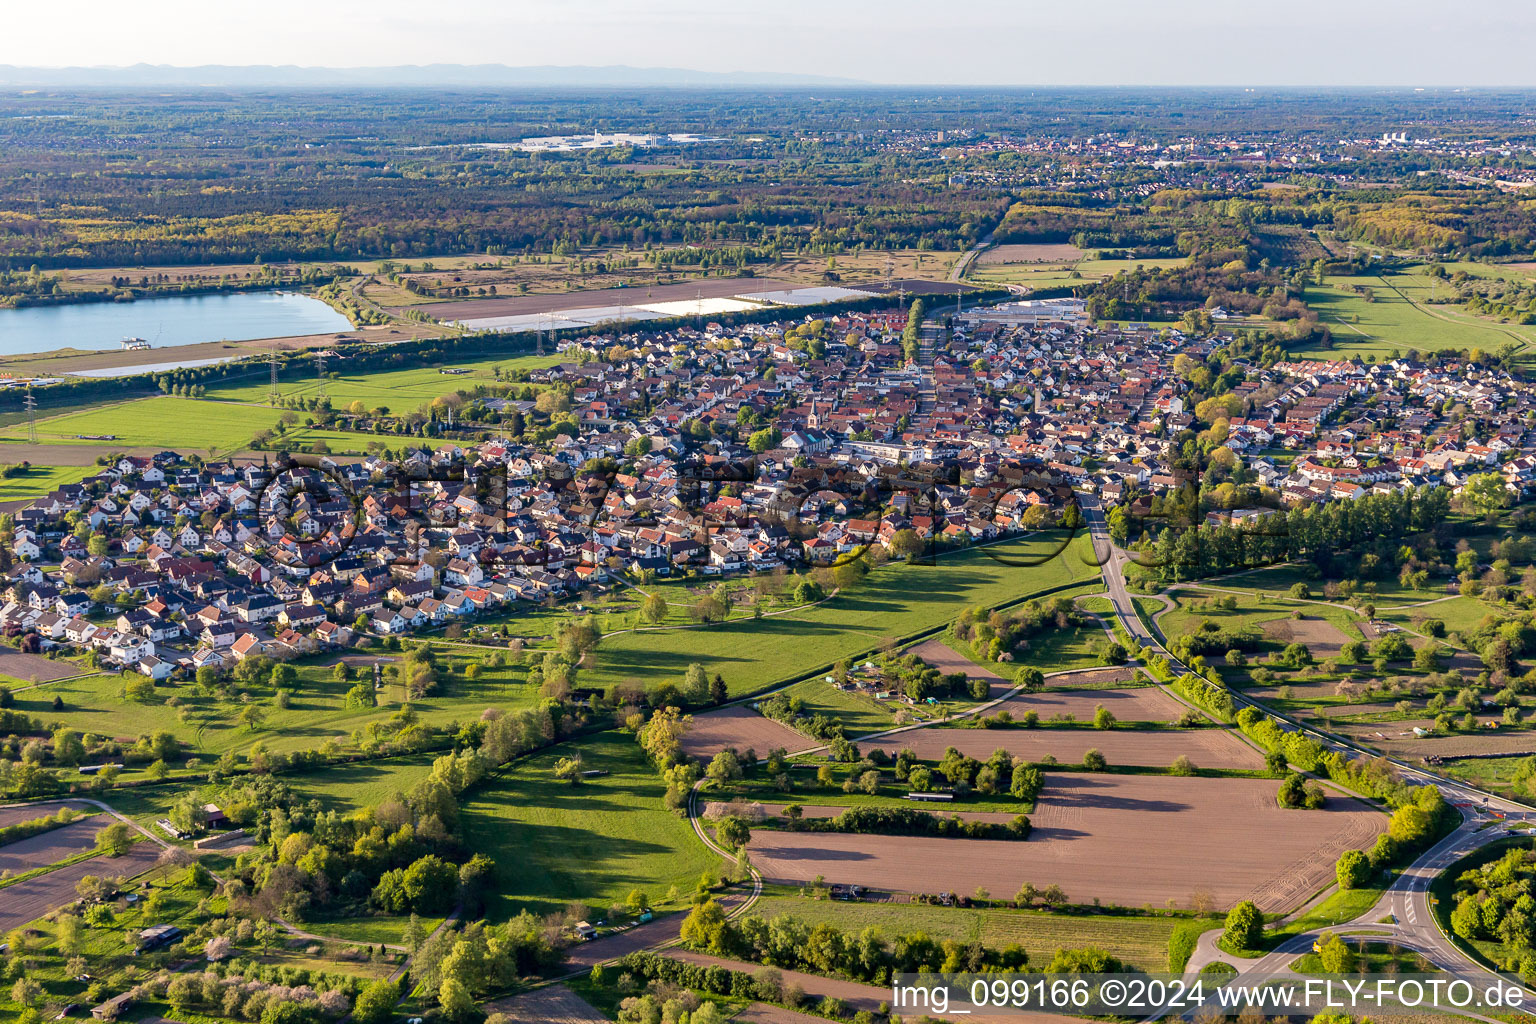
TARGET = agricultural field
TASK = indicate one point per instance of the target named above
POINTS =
(740, 728)
(1043, 266)
(163, 422)
(398, 390)
(1128, 840)
(1152, 748)
(894, 600)
(556, 843)
(1141, 941)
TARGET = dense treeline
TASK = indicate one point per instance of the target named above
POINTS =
(867, 956)
(908, 821)
(1335, 535)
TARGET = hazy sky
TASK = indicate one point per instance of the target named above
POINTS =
(1345, 42)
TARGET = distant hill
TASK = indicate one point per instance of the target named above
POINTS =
(422, 75)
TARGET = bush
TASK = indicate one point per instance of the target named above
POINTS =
(1353, 869)
(1244, 927)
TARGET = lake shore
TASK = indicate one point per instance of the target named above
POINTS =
(61, 362)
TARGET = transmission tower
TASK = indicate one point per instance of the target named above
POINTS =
(276, 394)
(31, 406)
(320, 370)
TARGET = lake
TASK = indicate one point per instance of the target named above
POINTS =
(167, 322)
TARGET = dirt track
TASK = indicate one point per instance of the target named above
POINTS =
(30, 900)
(1157, 748)
(1126, 839)
(742, 728)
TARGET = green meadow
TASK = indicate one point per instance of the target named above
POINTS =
(894, 601)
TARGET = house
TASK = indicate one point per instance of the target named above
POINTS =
(248, 645)
(155, 668)
(388, 622)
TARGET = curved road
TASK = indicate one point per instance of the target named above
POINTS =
(1403, 914)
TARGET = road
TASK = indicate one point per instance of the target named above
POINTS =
(1403, 914)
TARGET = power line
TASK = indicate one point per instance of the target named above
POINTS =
(30, 402)
(276, 394)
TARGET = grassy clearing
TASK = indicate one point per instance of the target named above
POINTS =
(555, 843)
(40, 480)
(894, 600)
(1140, 941)
(1252, 612)
(858, 713)
(350, 787)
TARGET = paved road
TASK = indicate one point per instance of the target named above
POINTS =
(1406, 902)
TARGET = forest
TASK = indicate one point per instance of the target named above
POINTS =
(107, 179)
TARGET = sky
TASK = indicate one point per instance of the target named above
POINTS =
(975, 42)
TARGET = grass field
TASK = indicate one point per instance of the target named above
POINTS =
(40, 480)
(317, 711)
(350, 787)
(183, 424)
(1251, 613)
(555, 843)
(1056, 274)
(1140, 941)
(895, 600)
(400, 390)
(1401, 319)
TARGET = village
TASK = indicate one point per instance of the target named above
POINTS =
(161, 564)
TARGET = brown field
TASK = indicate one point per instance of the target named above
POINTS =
(513, 305)
(1126, 839)
(1207, 748)
(28, 812)
(1093, 677)
(946, 659)
(34, 667)
(1133, 704)
(741, 728)
(1396, 738)
(29, 900)
(1035, 252)
(1322, 637)
(553, 1005)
